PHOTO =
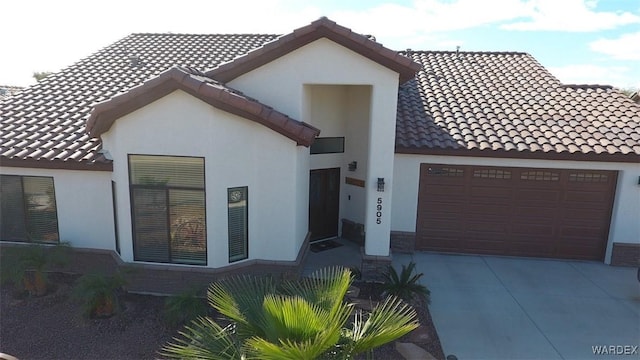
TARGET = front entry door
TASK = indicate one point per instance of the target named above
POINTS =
(324, 202)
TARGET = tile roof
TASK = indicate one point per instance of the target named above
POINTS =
(507, 104)
(487, 104)
(196, 83)
(44, 125)
(321, 28)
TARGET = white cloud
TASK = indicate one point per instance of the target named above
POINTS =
(618, 76)
(570, 15)
(426, 22)
(626, 47)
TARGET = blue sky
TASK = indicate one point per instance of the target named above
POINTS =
(579, 41)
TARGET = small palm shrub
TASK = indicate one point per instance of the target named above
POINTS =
(304, 319)
(99, 293)
(26, 266)
(184, 307)
(406, 284)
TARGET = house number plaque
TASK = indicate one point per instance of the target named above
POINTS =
(379, 211)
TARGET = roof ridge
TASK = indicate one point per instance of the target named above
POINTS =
(321, 28)
(411, 51)
(202, 34)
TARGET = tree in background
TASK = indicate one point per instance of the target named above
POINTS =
(41, 75)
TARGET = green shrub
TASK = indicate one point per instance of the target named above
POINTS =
(298, 319)
(184, 307)
(99, 293)
(25, 266)
(406, 285)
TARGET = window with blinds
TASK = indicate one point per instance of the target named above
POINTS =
(168, 207)
(238, 223)
(28, 209)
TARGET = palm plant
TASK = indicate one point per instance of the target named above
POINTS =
(100, 293)
(27, 266)
(406, 285)
(184, 307)
(305, 319)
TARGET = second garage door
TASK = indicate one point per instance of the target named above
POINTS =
(515, 211)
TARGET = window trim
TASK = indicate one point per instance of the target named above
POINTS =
(115, 216)
(167, 213)
(246, 224)
(25, 216)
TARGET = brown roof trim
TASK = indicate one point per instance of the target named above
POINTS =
(321, 28)
(213, 93)
(56, 164)
(587, 86)
(537, 155)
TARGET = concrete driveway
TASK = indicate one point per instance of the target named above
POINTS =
(487, 307)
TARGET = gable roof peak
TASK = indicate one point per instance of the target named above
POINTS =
(321, 28)
(197, 84)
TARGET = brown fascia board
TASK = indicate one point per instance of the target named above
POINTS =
(321, 28)
(105, 114)
(537, 155)
(56, 164)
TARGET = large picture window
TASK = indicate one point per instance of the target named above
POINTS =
(238, 223)
(168, 209)
(28, 209)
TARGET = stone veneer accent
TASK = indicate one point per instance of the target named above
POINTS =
(624, 254)
(353, 231)
(161, 279)
(403, 241)
(373, 268)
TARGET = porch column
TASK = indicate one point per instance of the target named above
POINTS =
(380, 166)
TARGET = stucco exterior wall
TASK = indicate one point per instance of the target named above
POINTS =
(84, 205)
(625, 227)
(280, 84)
(237, 152)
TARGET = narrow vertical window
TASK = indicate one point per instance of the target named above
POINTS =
(115, 215)
(238, 223)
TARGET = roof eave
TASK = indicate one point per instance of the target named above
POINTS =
(321, 28)
(537, 155)
(106, 113)
(56, 164)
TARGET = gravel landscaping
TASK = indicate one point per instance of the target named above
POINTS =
(53, 327)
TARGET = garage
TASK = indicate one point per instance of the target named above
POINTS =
(555, 213)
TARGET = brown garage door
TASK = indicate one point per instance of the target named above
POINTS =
(515, 211)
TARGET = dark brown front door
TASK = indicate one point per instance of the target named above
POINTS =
(324, 201)
(556, 213)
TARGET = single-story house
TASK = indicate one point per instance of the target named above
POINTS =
(209, 151)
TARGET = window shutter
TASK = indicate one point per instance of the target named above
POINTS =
(238, 223)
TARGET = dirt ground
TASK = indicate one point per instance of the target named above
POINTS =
(53, 327)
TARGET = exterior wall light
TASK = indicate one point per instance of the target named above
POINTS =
(380, 184)
(353, 166)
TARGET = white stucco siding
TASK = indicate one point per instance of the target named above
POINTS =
(84, 205)
(237, 152)
(625, 227)
(281, 83)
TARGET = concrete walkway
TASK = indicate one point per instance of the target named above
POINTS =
(487, 307)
